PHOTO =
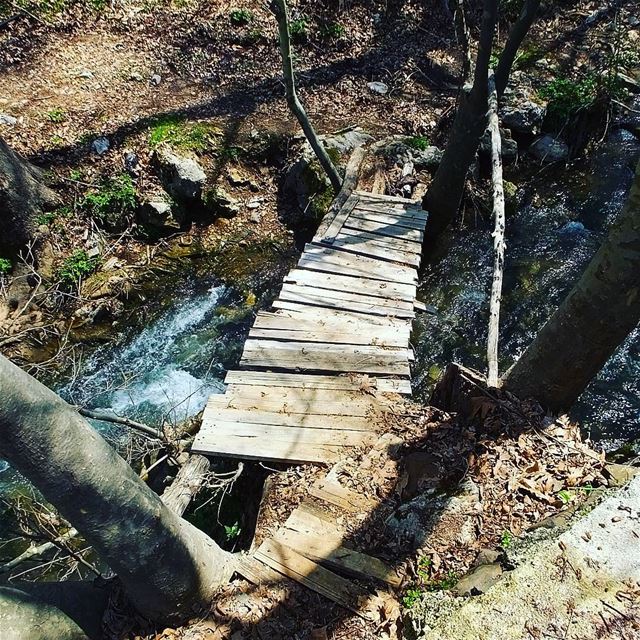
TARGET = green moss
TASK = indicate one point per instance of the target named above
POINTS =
(418, 142)
(113, 202)
(177, 132)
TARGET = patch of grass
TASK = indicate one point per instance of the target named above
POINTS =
(57, 114)
(51, 216)
(5, 266)
(112, 202)
(176, 131)
(332, 30)
(240, 17)
(75, 267)
(418, 142)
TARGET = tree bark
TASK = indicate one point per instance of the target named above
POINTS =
(166, 565)
(592, 321)
(444, 195)
(279, 9)
(498, 235)
(23, 196)
(517, 34)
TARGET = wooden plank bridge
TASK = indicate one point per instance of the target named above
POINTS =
(316, 377)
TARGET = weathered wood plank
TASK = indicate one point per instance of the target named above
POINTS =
(337, 222)
(334, 493)
(397, 211)
(367, 248)
(260, 378)
(389, 220)
(333, 337)
(257, 572)
(405, 244)
(329, 264)
(298, 303)
(325, 550)
(336, 282)
(313, 576)
(309, 421)
(380, 197)
(384, 230)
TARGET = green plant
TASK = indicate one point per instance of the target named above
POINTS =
(418, 142)
(240, 17)
(57, 114)
(75, 267)
(5, 266)
(568, 97)
(424, 567)
(566, 496)
(112, 201)
(298, 29)
(174, 130)
(51, 216)
(232, 532)
(506, 539)
(410, 597)
(332, 30)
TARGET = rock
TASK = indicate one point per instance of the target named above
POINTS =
(347, 141)
(131, 163)
(255, 217)
(428, 158)
(85, 74)
(511, 198)
(182, 177)
(254, 204)
(479, 580)
(220, 203)
(549, 149)
(8, 120)
(573, 228)
(159, 212)
(524, 117)
(619, 474)
(400, 153)
(235, 178)
(378, 87)
(509, 147)
(136, 76)
(487, 556)
(100, 145)
(155, 79)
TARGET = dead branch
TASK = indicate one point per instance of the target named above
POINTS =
(498, 234)
(105, 416)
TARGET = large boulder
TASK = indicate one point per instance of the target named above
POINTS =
(220, 203)
(523, 117)
(549, 149)
(181, 176)
(157, 210)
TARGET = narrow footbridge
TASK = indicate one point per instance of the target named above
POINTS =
(318, 375)
(339, 329)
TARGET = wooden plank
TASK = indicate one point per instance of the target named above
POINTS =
(412, 246)
(336, 282)
(376, 268)
(217, 430)
(384, 230)
(308, 421)
(347, 301)
(333, 337)
(398, 211)
(336, 318)
(334, 493)
(335, 265)
(313, 576)
(325, 550)
(379, 197)
(310, 519)
(322, 406)
(389, 220)
(337, 222)
(260, 378)
(257, 572)
(368, 248)
(365, 311)
(266, 449)
(333, 211)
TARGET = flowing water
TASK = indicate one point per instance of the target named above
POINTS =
(549, 242)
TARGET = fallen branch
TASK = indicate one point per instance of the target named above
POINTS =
(105, 416)
(186, 484)
(35, 551)
(498, 234)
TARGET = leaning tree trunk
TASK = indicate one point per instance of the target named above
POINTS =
(593, 320)
(443, 197)
(23, 196)
(166, 565)
(280, 11)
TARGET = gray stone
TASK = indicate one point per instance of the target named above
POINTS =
(509, 147)
(378, 87)
(428, 158)
(131, 163)
(347, 141)
(181, 176)
(85, 74)
(549, 149)
(255, 217)
(158, 211)
(155, 79)
(479, 580)
(7, 119)
(220, 203)
(100, 145)
(136, 76)
(523, 117)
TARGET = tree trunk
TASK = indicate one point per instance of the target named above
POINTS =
(279, 9)
(23, 197)
(166, 565)
(442, 200)
(593, 320)
(517, 34)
